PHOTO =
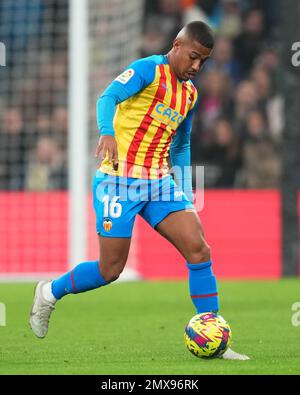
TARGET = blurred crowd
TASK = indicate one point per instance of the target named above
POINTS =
(33, 100)
(238, 125)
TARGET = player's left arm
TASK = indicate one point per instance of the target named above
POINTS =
(135, 78)
(180, 154)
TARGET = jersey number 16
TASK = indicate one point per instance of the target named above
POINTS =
(111, 208)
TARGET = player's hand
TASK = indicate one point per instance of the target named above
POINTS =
(108, 144)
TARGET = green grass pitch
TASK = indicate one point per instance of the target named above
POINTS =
(137, 328)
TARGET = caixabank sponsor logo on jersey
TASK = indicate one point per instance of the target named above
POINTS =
(167, 115)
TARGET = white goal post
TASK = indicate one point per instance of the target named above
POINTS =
(104, 37)
(78, 129)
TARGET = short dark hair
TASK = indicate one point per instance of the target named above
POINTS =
(200, 32)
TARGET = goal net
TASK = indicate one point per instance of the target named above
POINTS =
(34, 132)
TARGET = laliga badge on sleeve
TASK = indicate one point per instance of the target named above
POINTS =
(125, 76)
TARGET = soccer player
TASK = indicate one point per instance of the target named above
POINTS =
(145, 116)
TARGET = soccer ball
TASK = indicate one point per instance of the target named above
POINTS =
(207, 335)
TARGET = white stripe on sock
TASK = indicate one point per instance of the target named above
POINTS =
(47, 292)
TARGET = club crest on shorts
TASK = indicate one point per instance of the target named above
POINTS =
(107, 224)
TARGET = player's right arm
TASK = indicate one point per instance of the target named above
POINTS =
(134, 79)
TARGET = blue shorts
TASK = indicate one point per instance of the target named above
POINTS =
(117, 201)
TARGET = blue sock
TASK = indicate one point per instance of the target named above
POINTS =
(203, 287)
(83, 277)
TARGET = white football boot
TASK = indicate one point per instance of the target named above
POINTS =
(230, 354)
(40, 312)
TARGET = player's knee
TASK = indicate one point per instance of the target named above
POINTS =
(112, 270)
(199, 252)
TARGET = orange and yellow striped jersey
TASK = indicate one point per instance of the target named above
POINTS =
(152, 104)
